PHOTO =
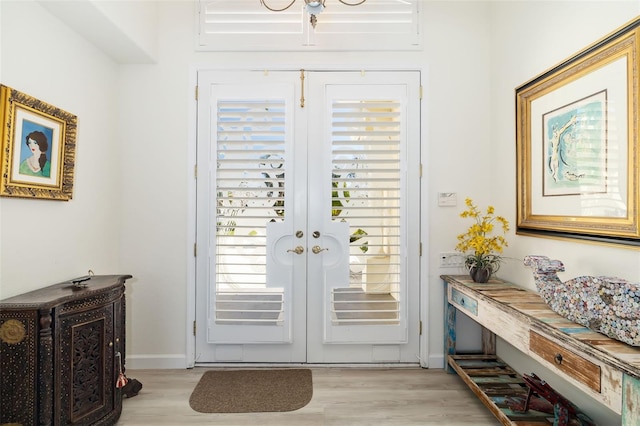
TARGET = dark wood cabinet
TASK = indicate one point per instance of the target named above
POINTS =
(61, 348)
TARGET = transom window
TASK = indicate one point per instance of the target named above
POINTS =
(248, 25)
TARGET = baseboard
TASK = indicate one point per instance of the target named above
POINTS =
(179, 361)
(302, 365)
(436, 361)
(160, 362)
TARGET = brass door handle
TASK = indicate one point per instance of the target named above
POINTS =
(297, 250)
(317, 249)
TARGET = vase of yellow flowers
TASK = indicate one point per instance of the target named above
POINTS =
(479, 244)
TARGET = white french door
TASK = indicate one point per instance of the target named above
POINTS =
(307, 227)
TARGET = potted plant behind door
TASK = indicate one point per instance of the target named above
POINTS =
(479, 245)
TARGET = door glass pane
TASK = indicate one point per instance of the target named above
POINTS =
(250, 189)
(365, 189)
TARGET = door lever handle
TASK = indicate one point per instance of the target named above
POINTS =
(297, 250)
(317, 249)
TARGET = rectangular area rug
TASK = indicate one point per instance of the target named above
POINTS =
(251, 391)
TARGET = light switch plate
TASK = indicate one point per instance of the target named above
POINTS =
(447, 199)
(451, 260)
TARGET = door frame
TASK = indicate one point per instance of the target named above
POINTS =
(190, 248)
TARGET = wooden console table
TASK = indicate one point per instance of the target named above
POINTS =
(604, 368)
(60, 352)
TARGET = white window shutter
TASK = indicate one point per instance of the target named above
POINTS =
(247, 25)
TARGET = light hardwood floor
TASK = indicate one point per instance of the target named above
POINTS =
(341, 396)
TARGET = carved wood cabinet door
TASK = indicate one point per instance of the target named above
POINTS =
(89, 342)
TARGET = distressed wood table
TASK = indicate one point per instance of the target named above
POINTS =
(604, 368)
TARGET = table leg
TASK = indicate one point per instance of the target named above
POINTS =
(449, 330)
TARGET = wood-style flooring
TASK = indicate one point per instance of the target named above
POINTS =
(341, 396)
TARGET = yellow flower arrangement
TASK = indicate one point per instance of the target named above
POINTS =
(479, 239)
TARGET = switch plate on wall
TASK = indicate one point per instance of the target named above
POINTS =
(447, 199)
(451, 260)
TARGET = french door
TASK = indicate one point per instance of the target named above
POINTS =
(307, 227)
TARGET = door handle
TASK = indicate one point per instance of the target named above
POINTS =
(317, 249)
(297, 250)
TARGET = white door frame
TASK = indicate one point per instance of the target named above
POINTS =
(190, 351)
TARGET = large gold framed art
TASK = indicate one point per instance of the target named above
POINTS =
(577, 145)
(38, 148)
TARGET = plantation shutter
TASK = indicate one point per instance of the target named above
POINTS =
(250, 143)
(248, 25)
(366, 189)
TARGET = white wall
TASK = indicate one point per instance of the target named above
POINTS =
(131, 211)
(155, 127)
(142, 118)
(43, 242)
(524, 47)
(525, 43)
(457, 95)
(124, 29)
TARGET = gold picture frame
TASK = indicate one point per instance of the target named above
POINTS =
(577, 164)
(38, 148)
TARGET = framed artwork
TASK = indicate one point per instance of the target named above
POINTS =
(38, 148)
(577, 145)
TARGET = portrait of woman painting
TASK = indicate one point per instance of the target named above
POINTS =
(35, 152)
(38, 146)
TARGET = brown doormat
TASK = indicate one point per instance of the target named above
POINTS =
(251, 391)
